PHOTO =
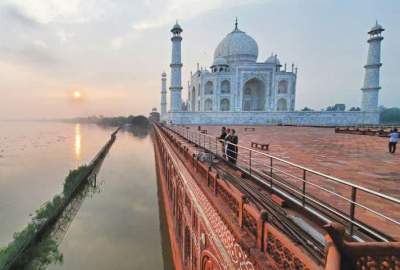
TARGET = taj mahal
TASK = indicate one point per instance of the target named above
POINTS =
(239, 89)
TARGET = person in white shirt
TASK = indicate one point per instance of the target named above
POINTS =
(394, 138)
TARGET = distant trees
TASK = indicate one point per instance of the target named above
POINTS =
(336, 107)
(354, 109)
(390, 115)
(112, 121)
(306, 109)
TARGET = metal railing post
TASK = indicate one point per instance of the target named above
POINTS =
(216, 146)
(250, 161)
(304, 188)
(352, 208)
(270, 170)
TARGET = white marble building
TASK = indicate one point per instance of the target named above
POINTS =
(237, 89)
(237, 82)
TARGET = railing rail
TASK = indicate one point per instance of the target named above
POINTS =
(255, 162)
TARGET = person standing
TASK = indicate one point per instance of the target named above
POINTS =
(221, 139)
(226, 142)
(232, 150)
(393, 139)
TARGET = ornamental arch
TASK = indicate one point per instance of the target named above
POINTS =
(225, 87)
(283, 87)
(225, 105)
(282, 105)
(254, 95)
(208, 105)
(209, 88)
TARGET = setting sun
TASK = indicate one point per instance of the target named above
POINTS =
(77, 95)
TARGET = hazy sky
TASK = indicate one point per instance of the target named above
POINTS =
(114, 51)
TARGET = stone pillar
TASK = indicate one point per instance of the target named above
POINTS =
(370, 90)
(176, 67)
(163, 96)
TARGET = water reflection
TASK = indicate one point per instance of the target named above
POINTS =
(77, 143)
(137, 131)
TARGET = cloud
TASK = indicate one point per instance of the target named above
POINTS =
(116, 42)
(64, 11)
(40, 44)
(36, 55)
(183, 10)
(63, 36)
(14, 14)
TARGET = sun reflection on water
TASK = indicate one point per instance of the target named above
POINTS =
(77, 142)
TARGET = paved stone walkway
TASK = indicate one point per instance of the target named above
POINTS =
(359, 159)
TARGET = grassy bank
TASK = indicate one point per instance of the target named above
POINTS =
(48, 212)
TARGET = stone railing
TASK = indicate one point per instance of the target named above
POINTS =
(264, 242)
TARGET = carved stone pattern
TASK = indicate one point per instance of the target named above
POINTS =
(250, 223)
(194, 221)
(229, 199)
(237, 255)
(187, 202)
(378, 263)
(282, 256)
(218, 229)
(262, 76)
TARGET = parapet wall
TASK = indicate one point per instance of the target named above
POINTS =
(272, 118)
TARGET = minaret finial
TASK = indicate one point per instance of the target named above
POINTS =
(236, 24)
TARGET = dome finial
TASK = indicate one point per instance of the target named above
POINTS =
(236, 24)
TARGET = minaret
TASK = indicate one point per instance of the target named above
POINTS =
(163, 95)
(176, 66)
(371, 80)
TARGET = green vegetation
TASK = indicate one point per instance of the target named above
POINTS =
(118, 121)
(47, 251)
(390, 115)
(44, 254)
(306, 109)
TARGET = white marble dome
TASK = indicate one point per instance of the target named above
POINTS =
(273, 59)
(237, 47)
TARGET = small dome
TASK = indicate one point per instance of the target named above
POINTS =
(164, 74)
(273, 59)
(377, 28)
(176, 28)
(220, 61)
(237, 47)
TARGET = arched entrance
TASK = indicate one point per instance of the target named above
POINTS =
(207, 264)
(282, 105)
(254, 95)
(208, 105)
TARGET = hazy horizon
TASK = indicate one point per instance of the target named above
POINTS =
(113, 52)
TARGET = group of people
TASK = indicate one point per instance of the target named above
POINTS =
(393, 139)
(229, 141)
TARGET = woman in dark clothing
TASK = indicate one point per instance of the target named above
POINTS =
(232, 149)
(222, 139)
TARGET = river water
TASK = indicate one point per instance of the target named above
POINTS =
(117, 227)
